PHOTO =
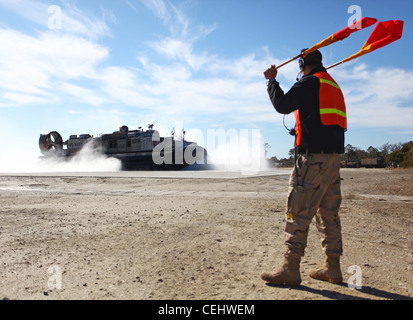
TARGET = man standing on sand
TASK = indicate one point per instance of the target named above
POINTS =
(314, 186)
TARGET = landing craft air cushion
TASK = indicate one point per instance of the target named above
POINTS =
(136, 149)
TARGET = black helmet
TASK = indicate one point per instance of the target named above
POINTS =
(314, 57)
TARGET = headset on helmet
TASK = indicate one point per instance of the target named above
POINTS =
(314, 57)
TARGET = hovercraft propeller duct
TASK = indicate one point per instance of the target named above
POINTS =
(50, 143)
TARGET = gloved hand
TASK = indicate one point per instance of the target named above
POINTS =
(271, 73)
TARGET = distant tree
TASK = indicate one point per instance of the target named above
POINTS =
(385, 150)
(408, 160)
(407, 147)
(349, 152)
(402, 156)
(353, 154)
(396, 146)
(372, 152)
(395, 157)
(266, 147)
(397, 153)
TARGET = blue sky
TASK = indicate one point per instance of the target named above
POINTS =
(195, 63)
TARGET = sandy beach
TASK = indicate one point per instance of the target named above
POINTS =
(193, 235)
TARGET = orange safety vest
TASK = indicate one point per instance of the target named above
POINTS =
(332, 105)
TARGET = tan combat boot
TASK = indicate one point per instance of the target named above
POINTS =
(288, 274)
(330, 271)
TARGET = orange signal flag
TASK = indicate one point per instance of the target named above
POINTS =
(383, 34)
(344, 33)
(339, 35)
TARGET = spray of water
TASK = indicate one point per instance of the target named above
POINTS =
(239, 152)
(228, 150)
(89, 159)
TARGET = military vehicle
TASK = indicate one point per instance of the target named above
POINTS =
(378, 162)
(136, 149)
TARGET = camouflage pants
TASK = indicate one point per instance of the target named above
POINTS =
(314, 190)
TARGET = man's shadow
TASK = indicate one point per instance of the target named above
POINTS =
(343, 296)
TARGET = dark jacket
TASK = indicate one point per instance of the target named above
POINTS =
(304, 96)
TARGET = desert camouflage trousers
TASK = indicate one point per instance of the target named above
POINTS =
(314, 190)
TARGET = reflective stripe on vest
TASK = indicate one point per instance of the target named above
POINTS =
(332, 111)
(332, 105)
(297, 128)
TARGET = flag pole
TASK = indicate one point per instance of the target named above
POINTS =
(288, 61)
(338, 36)
(335, 65)
(383, 34)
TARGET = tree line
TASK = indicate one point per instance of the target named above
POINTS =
(396, 155)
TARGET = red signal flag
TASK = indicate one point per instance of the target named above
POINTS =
(344, 33)
(339, 35)
(383, 34)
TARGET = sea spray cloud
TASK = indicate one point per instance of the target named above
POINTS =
(89, 159)
(227, 149)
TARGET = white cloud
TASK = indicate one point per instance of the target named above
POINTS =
(73, 20)
(180, 50)
(131, 5)
(35, 66)
(159, 8)
(379, 97)
(123, 85)
(172, 16)
(194, 83)
(34, 11)
(50, 67)
(83, 95)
